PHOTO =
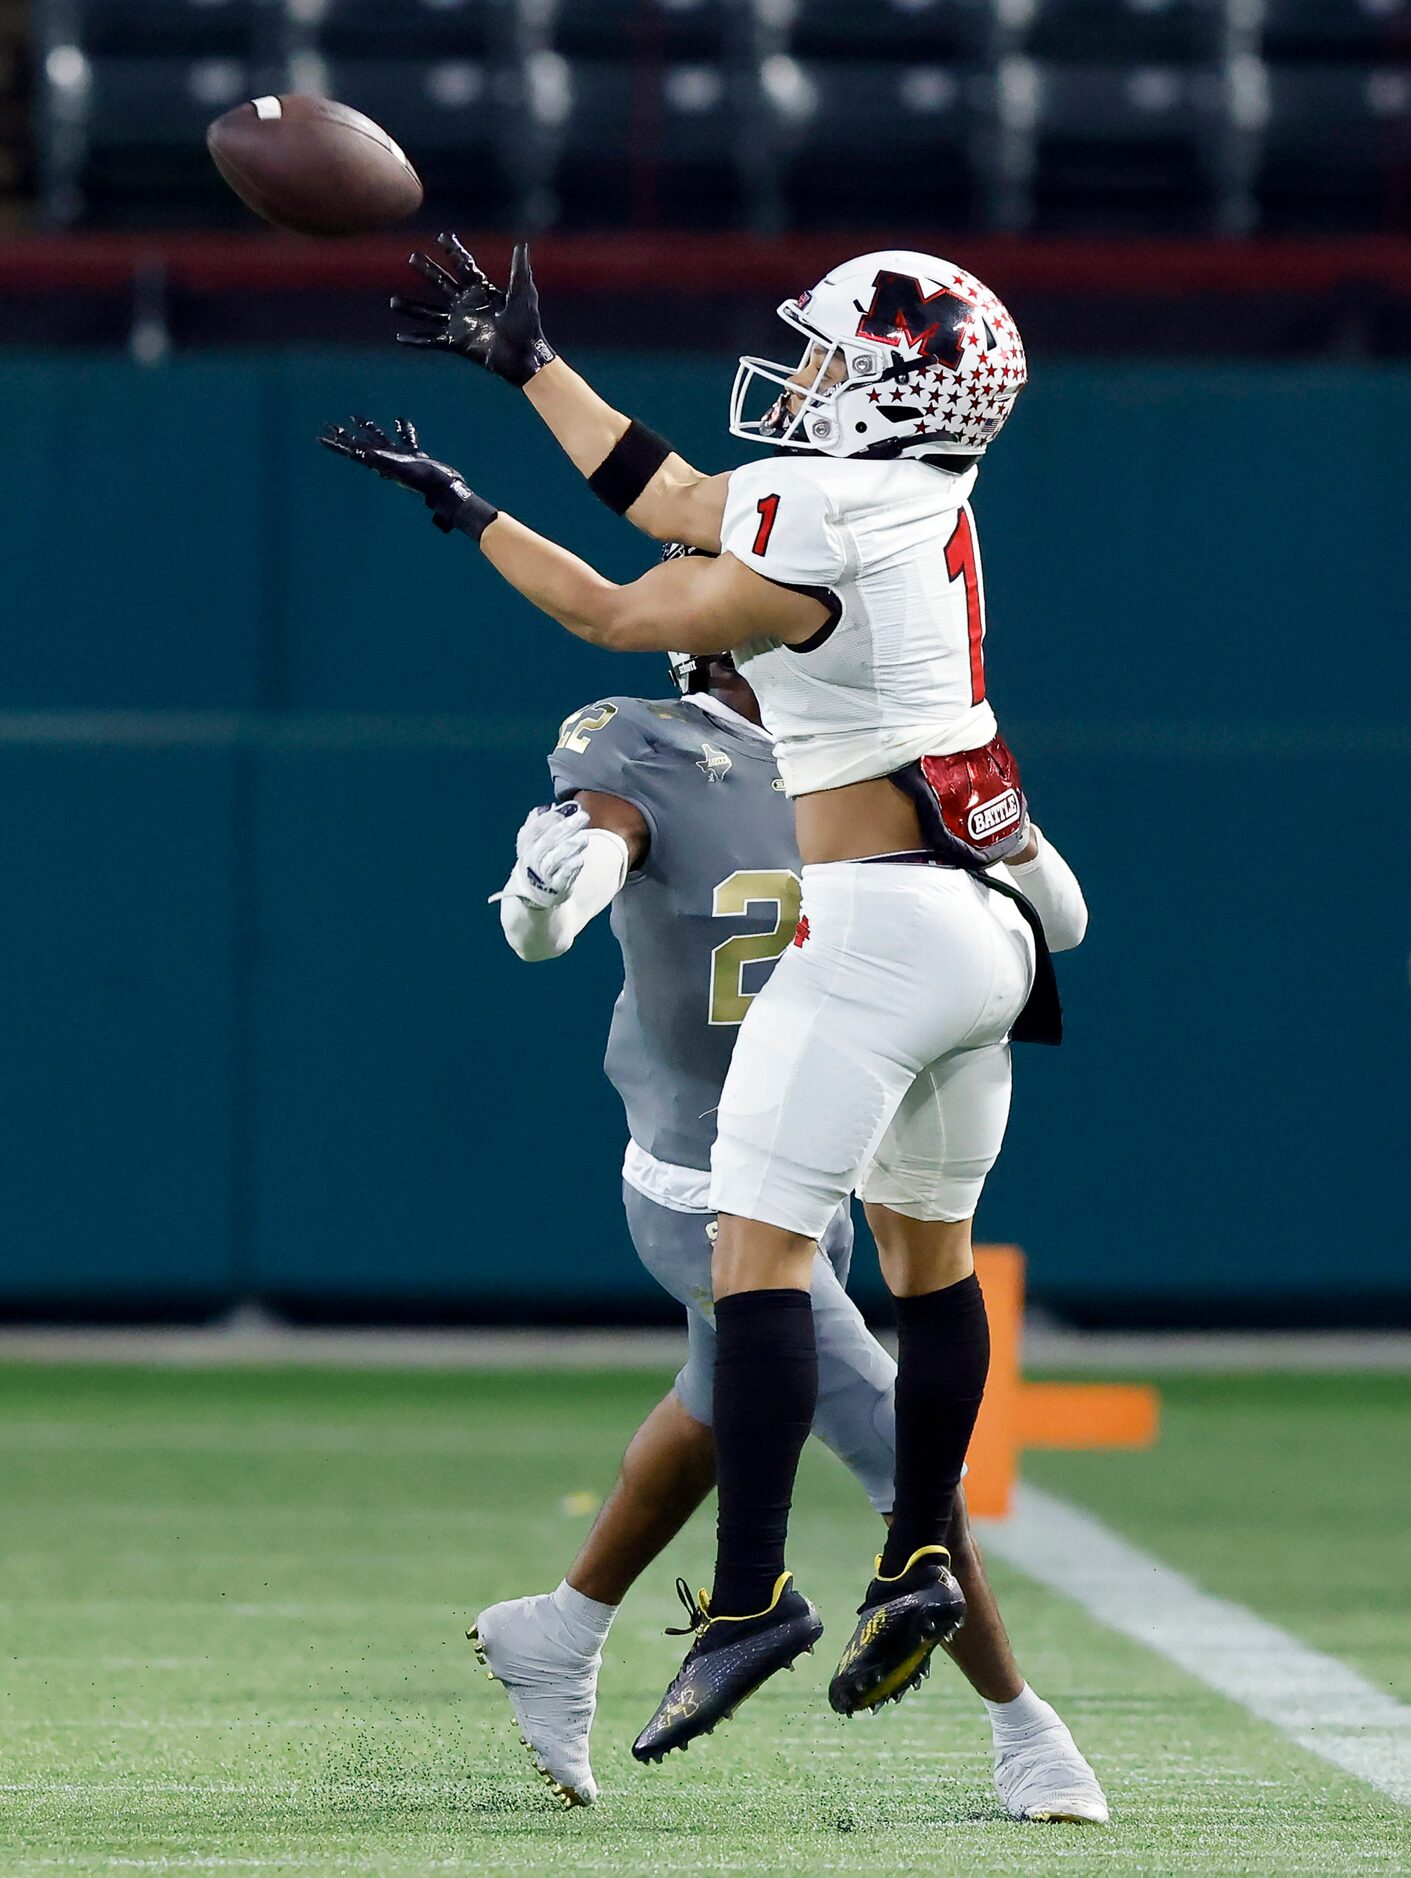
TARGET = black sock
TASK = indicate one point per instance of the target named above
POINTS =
(766, 1389)
(943, 1357)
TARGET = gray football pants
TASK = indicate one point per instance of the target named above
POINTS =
(856, 1376)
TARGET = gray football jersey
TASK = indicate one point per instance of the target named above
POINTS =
(702, 921)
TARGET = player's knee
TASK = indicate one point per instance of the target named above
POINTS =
(747, 1179)
(752, 1256)
(918, 1255)
(927, 1191)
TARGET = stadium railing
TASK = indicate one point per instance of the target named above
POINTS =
(1059, 115)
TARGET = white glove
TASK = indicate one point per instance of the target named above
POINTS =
(549, 854)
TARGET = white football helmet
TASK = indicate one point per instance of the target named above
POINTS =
(931, 364)
(688, 672)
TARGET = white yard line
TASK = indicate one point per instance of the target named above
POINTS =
(1313, 1699)
(1048, 1346)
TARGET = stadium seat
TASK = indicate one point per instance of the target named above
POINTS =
(449, 116)
(1126, 32)
(920, 124)
(408, 29)
(1336, 154)
(646, 146)
(1126, 152)
(1366, 31)
(195, 28)
(712, 30)
(143, 141)
(924, 31)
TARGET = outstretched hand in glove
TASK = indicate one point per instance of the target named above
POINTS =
(452, 501)
(466, 313)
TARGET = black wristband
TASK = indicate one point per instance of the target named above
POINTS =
(628, 467)
(470, 515)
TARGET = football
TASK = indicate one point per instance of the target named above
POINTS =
(314, 166)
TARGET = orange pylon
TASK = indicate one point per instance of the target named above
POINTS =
(1018, 1414)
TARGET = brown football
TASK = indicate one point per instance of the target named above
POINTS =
(317, 167)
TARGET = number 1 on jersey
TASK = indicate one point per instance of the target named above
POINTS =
(961, 564)
(766, 508)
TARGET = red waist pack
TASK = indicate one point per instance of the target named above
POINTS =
(972, 806)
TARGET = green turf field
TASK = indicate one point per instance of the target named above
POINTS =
(234, 1604)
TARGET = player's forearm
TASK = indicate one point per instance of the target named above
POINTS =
(582, 600)
(537, 933)
(557, 582)
(584, 425)
(1051, 887)
(692, 603)
(675, 501)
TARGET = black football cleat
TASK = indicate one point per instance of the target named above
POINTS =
(730, 1658)
(902, 1621)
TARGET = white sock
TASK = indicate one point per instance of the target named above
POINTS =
(1025, 1715)
(586, 1623)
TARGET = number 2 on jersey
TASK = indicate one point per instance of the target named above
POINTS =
(773, 888)
(961, 564)
(575, 731)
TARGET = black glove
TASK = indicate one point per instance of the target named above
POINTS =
(451, 500)
(497, 329)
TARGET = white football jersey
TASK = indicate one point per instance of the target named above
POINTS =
(900, 674)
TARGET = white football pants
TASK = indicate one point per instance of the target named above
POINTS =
(876, 1059)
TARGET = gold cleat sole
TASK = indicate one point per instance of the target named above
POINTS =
(567, 1796)
(907, 1675)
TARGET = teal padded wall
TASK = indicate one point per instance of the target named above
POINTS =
(136, 541)
(121, 987)
(431, 1119)
(265, 738)
(1229, 1112)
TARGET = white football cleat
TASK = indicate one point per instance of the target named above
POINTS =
(1044, 1777)
(552, 1689)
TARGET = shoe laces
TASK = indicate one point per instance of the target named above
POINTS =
(697, 1605)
